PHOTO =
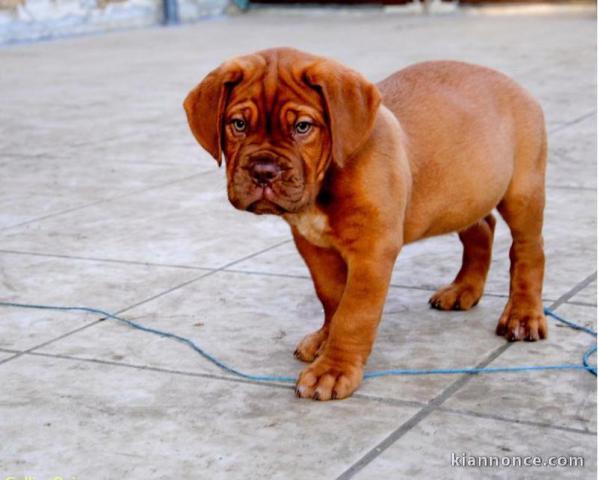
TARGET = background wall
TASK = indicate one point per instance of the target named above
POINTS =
(26, 20)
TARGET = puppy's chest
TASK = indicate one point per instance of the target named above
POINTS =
(313, 226)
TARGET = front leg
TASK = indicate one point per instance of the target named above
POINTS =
(329, 274)
(338, 371)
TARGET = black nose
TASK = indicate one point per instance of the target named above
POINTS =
(264, 172)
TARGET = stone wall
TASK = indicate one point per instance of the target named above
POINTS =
(28, 20)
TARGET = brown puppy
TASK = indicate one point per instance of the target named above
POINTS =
(359, 170)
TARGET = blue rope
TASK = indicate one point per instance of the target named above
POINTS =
(373, 374)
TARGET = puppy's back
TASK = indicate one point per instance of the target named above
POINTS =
(465, 125)
(454, 91)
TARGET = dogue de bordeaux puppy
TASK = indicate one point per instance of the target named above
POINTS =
(358, 170)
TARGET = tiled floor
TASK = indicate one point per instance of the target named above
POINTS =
(106, 201)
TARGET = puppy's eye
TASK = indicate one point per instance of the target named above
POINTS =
(302, 127)
(239, 124)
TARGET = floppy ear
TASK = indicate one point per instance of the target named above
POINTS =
(205, 106)
(351, 104)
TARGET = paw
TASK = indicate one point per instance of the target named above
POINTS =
(327, 380)
(456, 296)
(311, 346)
(522, 324)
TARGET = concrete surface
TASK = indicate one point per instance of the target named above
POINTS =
(106, 200)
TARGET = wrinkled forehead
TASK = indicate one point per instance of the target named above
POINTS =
(275, 92)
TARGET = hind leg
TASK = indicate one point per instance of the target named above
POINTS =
(523, 317)
(523, 209)
(467, 287)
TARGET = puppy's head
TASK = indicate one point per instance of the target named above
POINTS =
(280, 117)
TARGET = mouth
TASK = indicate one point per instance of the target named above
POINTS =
(263, 206)
(265, 203)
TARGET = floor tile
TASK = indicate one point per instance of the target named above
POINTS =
(188, 223)
(67, 176)
(253, 323)
(51, 281)
(414, 336)
(67, 418)
(95, 117)
(249, 322)
(434, 262)
(20, 207)
(569, 238)
(563, 398)
(426, 451)
(572, 155)
(587, 295)
(5, 355)
(40, 187)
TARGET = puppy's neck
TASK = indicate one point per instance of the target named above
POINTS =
(312, 224)
(342, 190)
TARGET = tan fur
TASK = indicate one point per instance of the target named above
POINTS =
(312, 224)
(432, 149)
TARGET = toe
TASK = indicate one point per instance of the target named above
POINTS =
(527, 327)
(310, 347)
(325, 387)
(327, 381)
(343, 388)
(306, 385)
(455, 297)
(532, 333)
(501, 329)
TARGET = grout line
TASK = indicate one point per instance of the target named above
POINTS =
(515, 420)
(211, 272)
(7, 359)
(426, 409)
(570, 187)
(226, 268)
(397, 402)
(103, 200)
(86, 143)
(469, 413)
(433, 289)
(572, 122)
(10, 350)
(582, 304)
(106, 260)
(50, 215)
(9, 158)
(158, 295)
(269, 274)
(574, 291)
(417, 418)
(387, 401)
(448, 392)
(234, 270)
(244, 272)
(392, 285)
(67, 334)
(211, 376)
